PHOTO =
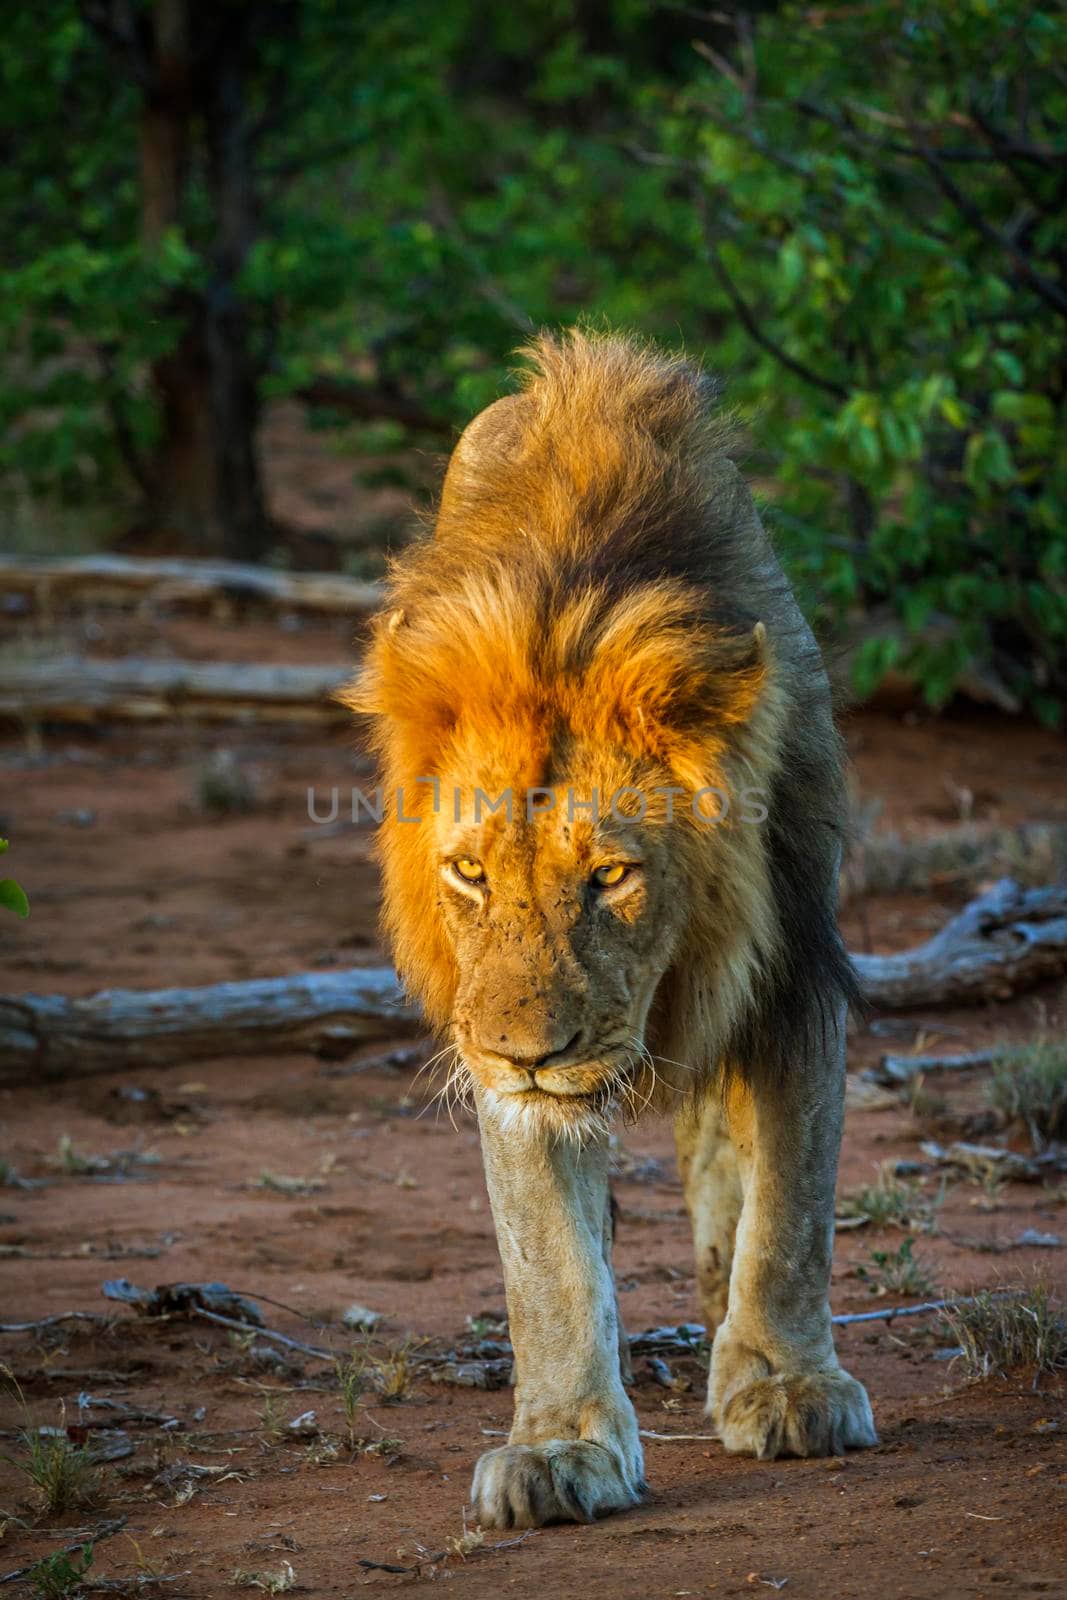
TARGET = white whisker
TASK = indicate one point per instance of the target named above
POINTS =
(667, 1062)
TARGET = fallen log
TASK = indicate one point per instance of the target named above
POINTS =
(75, 689)
(51, 583)
(49, 1036)
(1007, 939)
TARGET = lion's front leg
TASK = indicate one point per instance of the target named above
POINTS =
(776, 1385)
(574, 1451)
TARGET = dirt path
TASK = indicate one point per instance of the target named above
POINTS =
(132, 884)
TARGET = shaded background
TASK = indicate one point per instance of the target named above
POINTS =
(258, 261)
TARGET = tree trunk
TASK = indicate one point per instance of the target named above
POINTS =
(183, 500)
(234, 389)
(181, 474)
(205, 486)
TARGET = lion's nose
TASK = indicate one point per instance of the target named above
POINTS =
(531, 1056)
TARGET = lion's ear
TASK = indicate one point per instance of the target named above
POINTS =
(735, 715)
(364, 694)
(659, 679)
(738, 669)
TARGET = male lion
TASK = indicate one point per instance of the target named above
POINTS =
(593, 658)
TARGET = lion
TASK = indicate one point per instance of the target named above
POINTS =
(610, 879)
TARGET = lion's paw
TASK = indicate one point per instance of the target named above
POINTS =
(806, 1414)
(562, 1480)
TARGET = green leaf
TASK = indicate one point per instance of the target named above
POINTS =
(953, 412)
(13, 897)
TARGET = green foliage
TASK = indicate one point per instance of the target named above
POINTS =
(12, 894)
(887, 186)
(857, 214)
(60, 1574)
(898, 1271)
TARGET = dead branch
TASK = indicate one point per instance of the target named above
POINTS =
(50, 583)
(49, 1036)
(901, 1069)
(1047, 288)
(75, 689)
(467, 1368)
(1007, 939)
(678, 1438)
(981, 1161)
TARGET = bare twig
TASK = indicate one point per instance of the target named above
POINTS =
(1049, 291)
(677, 1438)
(264, 1333)
(391, 1566)
(106, 1530)
(720, 63)
(484, 282)
(51, 1322)
(890, 1314)
(751, 323)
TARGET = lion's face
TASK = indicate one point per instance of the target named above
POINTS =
(562, 925)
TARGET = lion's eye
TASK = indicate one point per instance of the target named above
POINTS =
(470, 871)
(608, 876)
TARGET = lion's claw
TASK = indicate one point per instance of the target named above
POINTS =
(562, 1480)
(807, 1414)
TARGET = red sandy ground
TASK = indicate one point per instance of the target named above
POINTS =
(963, 1497)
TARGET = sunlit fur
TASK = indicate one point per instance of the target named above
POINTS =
(599, 606)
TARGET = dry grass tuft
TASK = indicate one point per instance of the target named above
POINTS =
(1029, 1086)
(63, 1474)
(352, 1380)
(224, 788)
(1004, 1333)
(272, 1421)
(959, 858)
(394, 1374)
(892, 1202)
(271, 1582)
(389, 1377)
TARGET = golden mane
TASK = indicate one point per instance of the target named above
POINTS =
(597, 573)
